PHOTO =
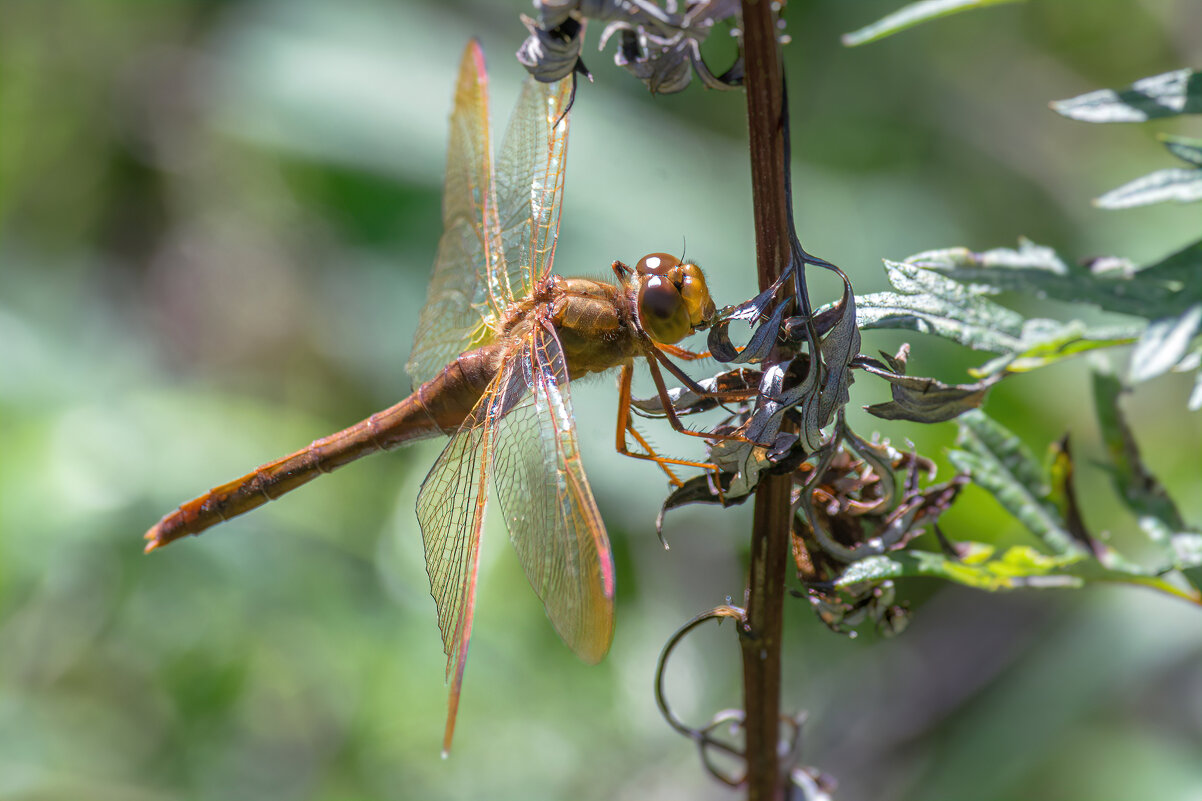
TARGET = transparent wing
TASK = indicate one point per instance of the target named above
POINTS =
(529, 184)
(549, 509)
(458, 303)
(450, 512)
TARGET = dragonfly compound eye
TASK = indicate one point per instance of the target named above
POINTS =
(657, 264)
(662, 310)
(696, 295)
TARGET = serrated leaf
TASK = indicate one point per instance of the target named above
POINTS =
(911, 15)
(1165, 95)
(1000, 464)
(1164, 344)
(1175, 184)
(932, 304)
(1037, 271)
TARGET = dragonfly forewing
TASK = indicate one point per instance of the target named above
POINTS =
(459, 300)
(529, 183)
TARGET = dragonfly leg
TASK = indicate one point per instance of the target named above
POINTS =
(670, 411)
(625, 424)
(683, 353)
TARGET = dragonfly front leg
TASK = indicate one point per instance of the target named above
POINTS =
(625, 424)
(684, 354)
(670, 411)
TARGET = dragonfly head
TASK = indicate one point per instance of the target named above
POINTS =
(674, 300)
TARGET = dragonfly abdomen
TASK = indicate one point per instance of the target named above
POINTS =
(436, 407)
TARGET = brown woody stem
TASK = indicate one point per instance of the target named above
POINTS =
(761, 640)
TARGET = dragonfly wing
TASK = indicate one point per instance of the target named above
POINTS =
(549, 509)
(453, 319)
(450, 512)
(529, 183)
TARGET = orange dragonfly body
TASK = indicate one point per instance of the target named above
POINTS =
(497, 343)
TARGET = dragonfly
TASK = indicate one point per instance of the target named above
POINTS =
(497, 343)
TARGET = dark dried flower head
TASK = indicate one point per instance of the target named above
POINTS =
(661, 46)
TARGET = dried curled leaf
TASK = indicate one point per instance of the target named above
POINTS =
(922, 400)
(661, 47)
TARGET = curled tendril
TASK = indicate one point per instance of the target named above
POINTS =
(704, 737)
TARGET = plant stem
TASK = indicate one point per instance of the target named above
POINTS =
(761, 641)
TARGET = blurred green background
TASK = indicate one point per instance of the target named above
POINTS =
(217, 220)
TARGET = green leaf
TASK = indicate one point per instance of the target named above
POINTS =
(1044, 344)
(1165, 95)
(1172, 582)
(1017, 567)
(1020, 566)
(1180, 272)
(911, 15)
(945, 292)
(999, 463)
(1035, 270)
(1175, 184)
(1184, 148)
(1164, 344)
(1138, 488)
(929, 303)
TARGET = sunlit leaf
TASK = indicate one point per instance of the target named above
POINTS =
(1020, 566)
(1017, 567)
(1174, 184)
(932, 304)
(944, 292)
(1047, 341)
(1164, 343)
(1165, 95)
(911, 15)
(1037, 271)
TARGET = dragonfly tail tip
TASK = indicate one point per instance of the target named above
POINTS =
(155, 541)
